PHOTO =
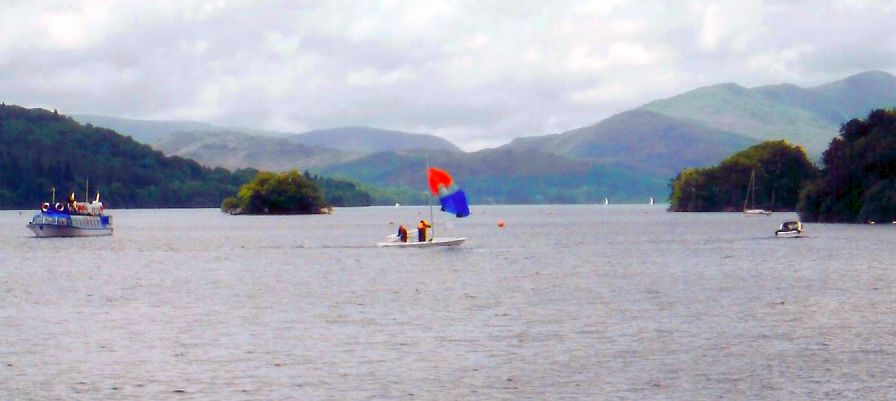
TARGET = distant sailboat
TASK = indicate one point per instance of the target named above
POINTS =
(606, 201)
(651, 201)
(751, 198)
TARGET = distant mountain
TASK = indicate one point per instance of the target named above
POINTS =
(143, 131)
(372, 140)
(630, 156)
(641, 140)
(233, 150)
(634, 154)
(809, 117)
(217, 146)
(627, 158)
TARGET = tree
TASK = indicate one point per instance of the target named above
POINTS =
(858, 178)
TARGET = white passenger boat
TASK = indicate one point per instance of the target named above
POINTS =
(73, 219)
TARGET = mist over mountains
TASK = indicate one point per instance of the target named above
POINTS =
(627, 157)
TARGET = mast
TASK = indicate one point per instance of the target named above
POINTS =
(432, 221)
(750, 190)
(753, 190)
(86, 193)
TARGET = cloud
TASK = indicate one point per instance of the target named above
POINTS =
(477, 73)
(369, 77)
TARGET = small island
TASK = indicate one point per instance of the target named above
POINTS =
(277, 193)
(778, 170)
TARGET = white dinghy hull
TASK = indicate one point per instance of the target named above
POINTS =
(426, 244)
(393, 241)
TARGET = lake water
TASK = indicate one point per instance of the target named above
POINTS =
(564, 303)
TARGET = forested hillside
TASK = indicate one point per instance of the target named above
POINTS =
(40, 150)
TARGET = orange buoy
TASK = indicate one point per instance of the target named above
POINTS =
(500, 223)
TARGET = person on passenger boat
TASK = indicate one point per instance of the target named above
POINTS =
(402, 233)
(71, 202)
(421, 230)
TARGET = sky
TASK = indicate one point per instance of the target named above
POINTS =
(478, 73)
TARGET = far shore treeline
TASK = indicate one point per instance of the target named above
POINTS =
(41, 150)
(856, 183)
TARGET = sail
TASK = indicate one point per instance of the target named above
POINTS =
(452, 197)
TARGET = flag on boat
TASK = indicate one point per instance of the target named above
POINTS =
(452, 197)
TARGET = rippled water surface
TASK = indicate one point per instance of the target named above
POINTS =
(565, 302)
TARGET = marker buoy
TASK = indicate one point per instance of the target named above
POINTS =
(500, 223)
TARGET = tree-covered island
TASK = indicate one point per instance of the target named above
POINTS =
(780, 170)
(277, 193)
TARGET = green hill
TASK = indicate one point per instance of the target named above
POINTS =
(810, 117)
(641, 140)
(40, 150)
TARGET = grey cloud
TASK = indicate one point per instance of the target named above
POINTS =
(289, 67)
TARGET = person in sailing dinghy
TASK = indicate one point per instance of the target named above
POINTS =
(402, 233)
(421, 230)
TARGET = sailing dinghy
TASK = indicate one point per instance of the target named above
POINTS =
(453, 200)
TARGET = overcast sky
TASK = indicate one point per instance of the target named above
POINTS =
(478, 73)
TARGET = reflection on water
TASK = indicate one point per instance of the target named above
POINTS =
(564, 302)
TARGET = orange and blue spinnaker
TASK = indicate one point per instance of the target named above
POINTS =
(452, 197)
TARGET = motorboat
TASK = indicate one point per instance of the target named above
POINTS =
(790, 229)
